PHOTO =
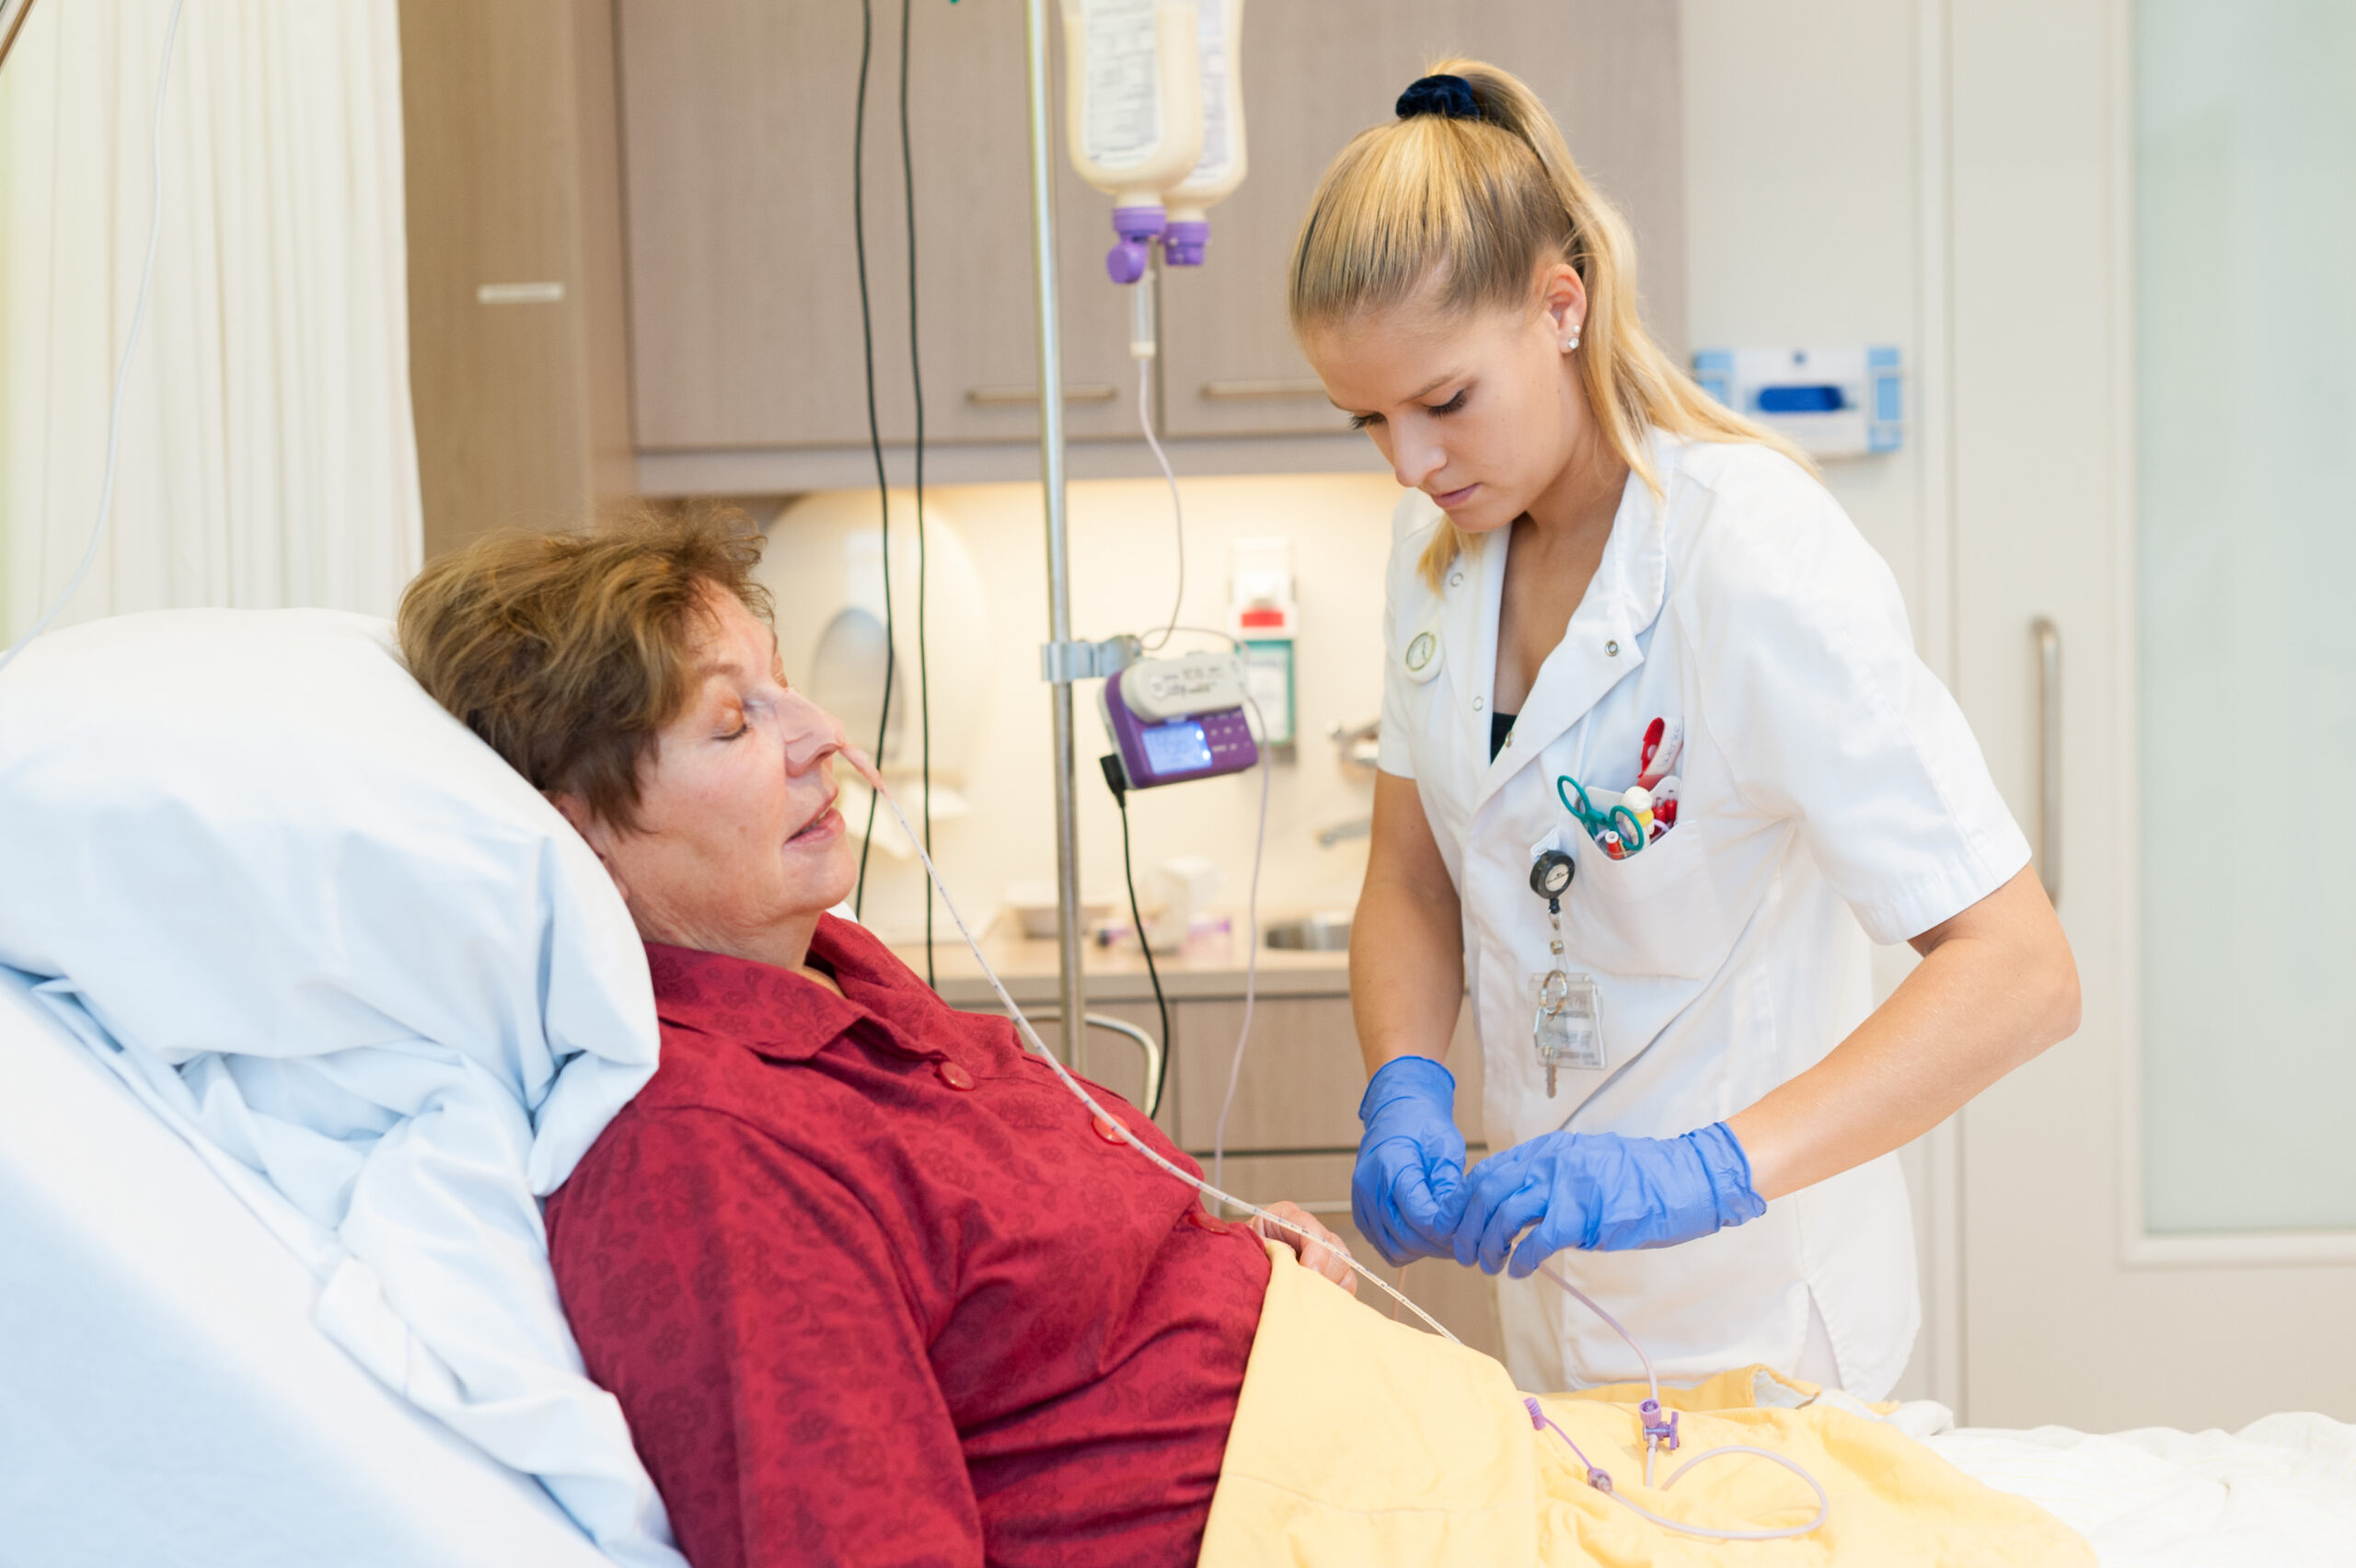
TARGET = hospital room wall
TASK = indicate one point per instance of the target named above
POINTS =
(1807, 195)
(1122, 559)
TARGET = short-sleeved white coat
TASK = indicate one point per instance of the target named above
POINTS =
(1831, 790)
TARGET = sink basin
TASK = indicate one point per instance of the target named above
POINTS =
(1312, 933)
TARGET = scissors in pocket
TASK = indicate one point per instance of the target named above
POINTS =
(1616, 818)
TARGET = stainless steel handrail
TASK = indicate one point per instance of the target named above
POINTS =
(1117, 1026)
(2048, 638)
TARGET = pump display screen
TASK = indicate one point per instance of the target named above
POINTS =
(1177, 747)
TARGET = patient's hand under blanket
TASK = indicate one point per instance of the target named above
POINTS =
(1363, 1442)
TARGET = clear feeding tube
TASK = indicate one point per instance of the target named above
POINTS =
(1659, 1431)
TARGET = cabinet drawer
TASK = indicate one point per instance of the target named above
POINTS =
(1302, 1079)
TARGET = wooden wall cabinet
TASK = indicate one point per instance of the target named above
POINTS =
(518, 372)
(1316, 73)
(737, 119)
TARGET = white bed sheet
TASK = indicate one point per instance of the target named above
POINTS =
(166, 1396)
(2283, 1490)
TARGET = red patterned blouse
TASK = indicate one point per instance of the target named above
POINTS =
(871, 1289)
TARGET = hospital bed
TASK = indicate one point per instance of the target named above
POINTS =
(164, 1395)
(168, 1393)
(166, 1398)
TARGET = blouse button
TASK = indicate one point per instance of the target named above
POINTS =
(1613, 649)
(1107, 1130)
(1478, 704)
(952, 1075)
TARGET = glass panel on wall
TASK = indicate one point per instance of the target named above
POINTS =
(2245, 386)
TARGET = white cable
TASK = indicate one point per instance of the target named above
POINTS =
(1030, 1038)
(130, 347)
(1177, 508)
(1250, 915)
(1252, 958)
(1823, 1502)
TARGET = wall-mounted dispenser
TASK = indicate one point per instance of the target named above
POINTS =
(1834, 402)
(1263, 615)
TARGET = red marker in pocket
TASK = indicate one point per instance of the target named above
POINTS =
(1665, 805)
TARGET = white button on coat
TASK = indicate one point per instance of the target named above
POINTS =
(1831, 791)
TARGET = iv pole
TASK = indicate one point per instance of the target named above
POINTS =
(1058, 663)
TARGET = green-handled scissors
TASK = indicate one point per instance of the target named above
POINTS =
(1631, 834)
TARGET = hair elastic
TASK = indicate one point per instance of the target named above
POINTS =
(1450, 98)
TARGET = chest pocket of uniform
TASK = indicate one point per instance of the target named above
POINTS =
(1655, 913)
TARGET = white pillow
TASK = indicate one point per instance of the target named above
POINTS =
(354, 950)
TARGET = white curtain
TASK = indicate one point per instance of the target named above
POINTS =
(267, 456)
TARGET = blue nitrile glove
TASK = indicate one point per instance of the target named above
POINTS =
(1602, 1193)
(1410, 1182)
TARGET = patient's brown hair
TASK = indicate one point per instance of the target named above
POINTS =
(568, 652)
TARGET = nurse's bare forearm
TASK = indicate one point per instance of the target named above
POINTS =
(1996, 985)
(1407, 938)
(1406, 975)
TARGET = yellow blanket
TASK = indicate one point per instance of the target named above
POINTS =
(1362, 1441)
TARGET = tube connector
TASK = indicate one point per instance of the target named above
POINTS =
(1184, 240)
(1138, 228)
(1659, 1428)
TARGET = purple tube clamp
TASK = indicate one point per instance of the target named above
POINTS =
(1183, 242)
(1657, 1429)
(1137, 226)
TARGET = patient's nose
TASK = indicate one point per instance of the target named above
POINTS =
(810, 733)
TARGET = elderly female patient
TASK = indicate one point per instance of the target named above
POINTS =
(867, 1282)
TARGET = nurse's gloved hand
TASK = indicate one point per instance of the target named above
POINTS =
(1600, 1191)
(1409, 1187)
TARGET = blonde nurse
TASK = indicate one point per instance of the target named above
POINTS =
(1657, 760)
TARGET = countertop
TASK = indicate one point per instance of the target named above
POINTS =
(1212, 966)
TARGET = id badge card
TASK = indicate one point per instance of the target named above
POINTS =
(1568, 1028)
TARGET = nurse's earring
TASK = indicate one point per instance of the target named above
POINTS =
(1571, 342)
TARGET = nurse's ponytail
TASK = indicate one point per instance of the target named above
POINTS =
(1466, 196)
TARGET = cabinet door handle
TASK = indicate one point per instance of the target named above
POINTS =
(1001, 397)
(2049, 754)
(1245, 391)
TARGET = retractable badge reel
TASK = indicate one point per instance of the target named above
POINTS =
(1568, 1030)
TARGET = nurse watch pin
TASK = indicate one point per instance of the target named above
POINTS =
(1549, 878)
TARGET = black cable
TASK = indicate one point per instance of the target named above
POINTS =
(1117, 780)
(874, 426)
(915, 379)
